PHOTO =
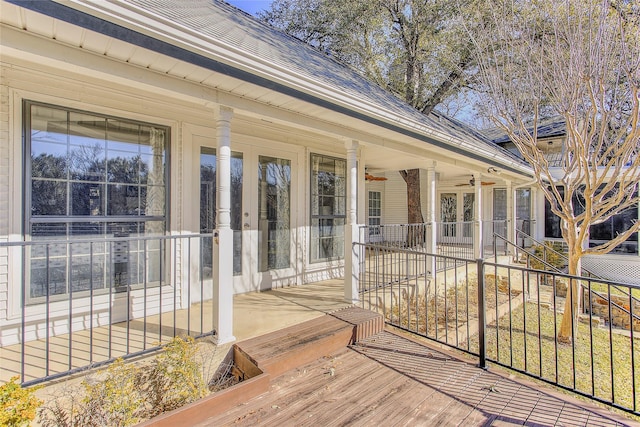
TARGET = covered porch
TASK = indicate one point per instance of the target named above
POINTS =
(254, 314)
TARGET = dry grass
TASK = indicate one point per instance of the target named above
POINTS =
(607, 371)
(601, 369)
(447, 315)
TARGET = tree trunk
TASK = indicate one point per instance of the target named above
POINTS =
(415, 235)
(571, 305)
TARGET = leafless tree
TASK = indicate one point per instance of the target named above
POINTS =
(577, 59)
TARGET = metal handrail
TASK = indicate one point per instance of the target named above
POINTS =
(555, 269)
(482, 308)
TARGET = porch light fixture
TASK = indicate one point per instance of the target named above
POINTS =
(494, 170)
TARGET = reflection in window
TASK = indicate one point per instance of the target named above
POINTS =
(274, 213)
(93, 177)
(599, 233)
(328, 208)
(208, 208)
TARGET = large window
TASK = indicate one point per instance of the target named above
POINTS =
(599, 233)
(328, 208)
(91, 177)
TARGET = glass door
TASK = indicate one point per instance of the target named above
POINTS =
(274, 208)
(468, 212)
(261, 215)
(208, 206)
(448, 217)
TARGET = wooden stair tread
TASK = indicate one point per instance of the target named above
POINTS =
(291, 347)
(279, 340)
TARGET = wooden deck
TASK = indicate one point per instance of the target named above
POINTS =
(387, 379)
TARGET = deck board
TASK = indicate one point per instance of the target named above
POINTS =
(390, 380)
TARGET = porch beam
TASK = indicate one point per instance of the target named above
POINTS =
(223, 235)
(351, 233)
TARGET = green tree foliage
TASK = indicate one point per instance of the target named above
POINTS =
(414, 48)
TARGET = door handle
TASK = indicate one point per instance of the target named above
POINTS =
(247, 225)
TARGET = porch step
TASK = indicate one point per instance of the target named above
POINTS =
(365, 322)
(292, 347)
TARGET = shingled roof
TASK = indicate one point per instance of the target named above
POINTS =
(547, 128)
(219, 37)
(238, 29)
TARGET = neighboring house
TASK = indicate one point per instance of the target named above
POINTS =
(141, 120)
(623, 262)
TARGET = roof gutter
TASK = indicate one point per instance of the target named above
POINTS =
(93, 23)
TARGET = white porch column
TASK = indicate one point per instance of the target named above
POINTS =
(351, 231)
(432, 245)
(478, 247)
(223, 235)
(511, 214)
(534, 205)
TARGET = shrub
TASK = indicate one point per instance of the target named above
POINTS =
(125, 394)
(553, 256)
(174, 378)
(17, 405)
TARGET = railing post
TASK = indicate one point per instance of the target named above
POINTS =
(482, 352)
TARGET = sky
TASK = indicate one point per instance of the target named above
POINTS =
(251, 6)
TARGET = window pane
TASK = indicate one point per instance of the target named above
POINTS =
(49, 160)
(523, 203)
(48, 198)
(48, 125)
(328, 208)
(499, 204)
(87, 146)
(87, 199)
(274, 207)
(87, 163)
(123, 200)
(123, 167)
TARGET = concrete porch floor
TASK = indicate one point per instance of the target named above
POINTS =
(254, 314)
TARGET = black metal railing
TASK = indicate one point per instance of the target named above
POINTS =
(84, 303)
(454, 239)
(511, 315)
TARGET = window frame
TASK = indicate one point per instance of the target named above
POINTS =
(374, 229)
(104, 220)
(319, 216)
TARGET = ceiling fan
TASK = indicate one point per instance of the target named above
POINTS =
(472, 183)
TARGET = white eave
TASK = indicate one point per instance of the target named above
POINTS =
(143, 21)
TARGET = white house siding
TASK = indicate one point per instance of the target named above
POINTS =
(394, 199)
(24, 83)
